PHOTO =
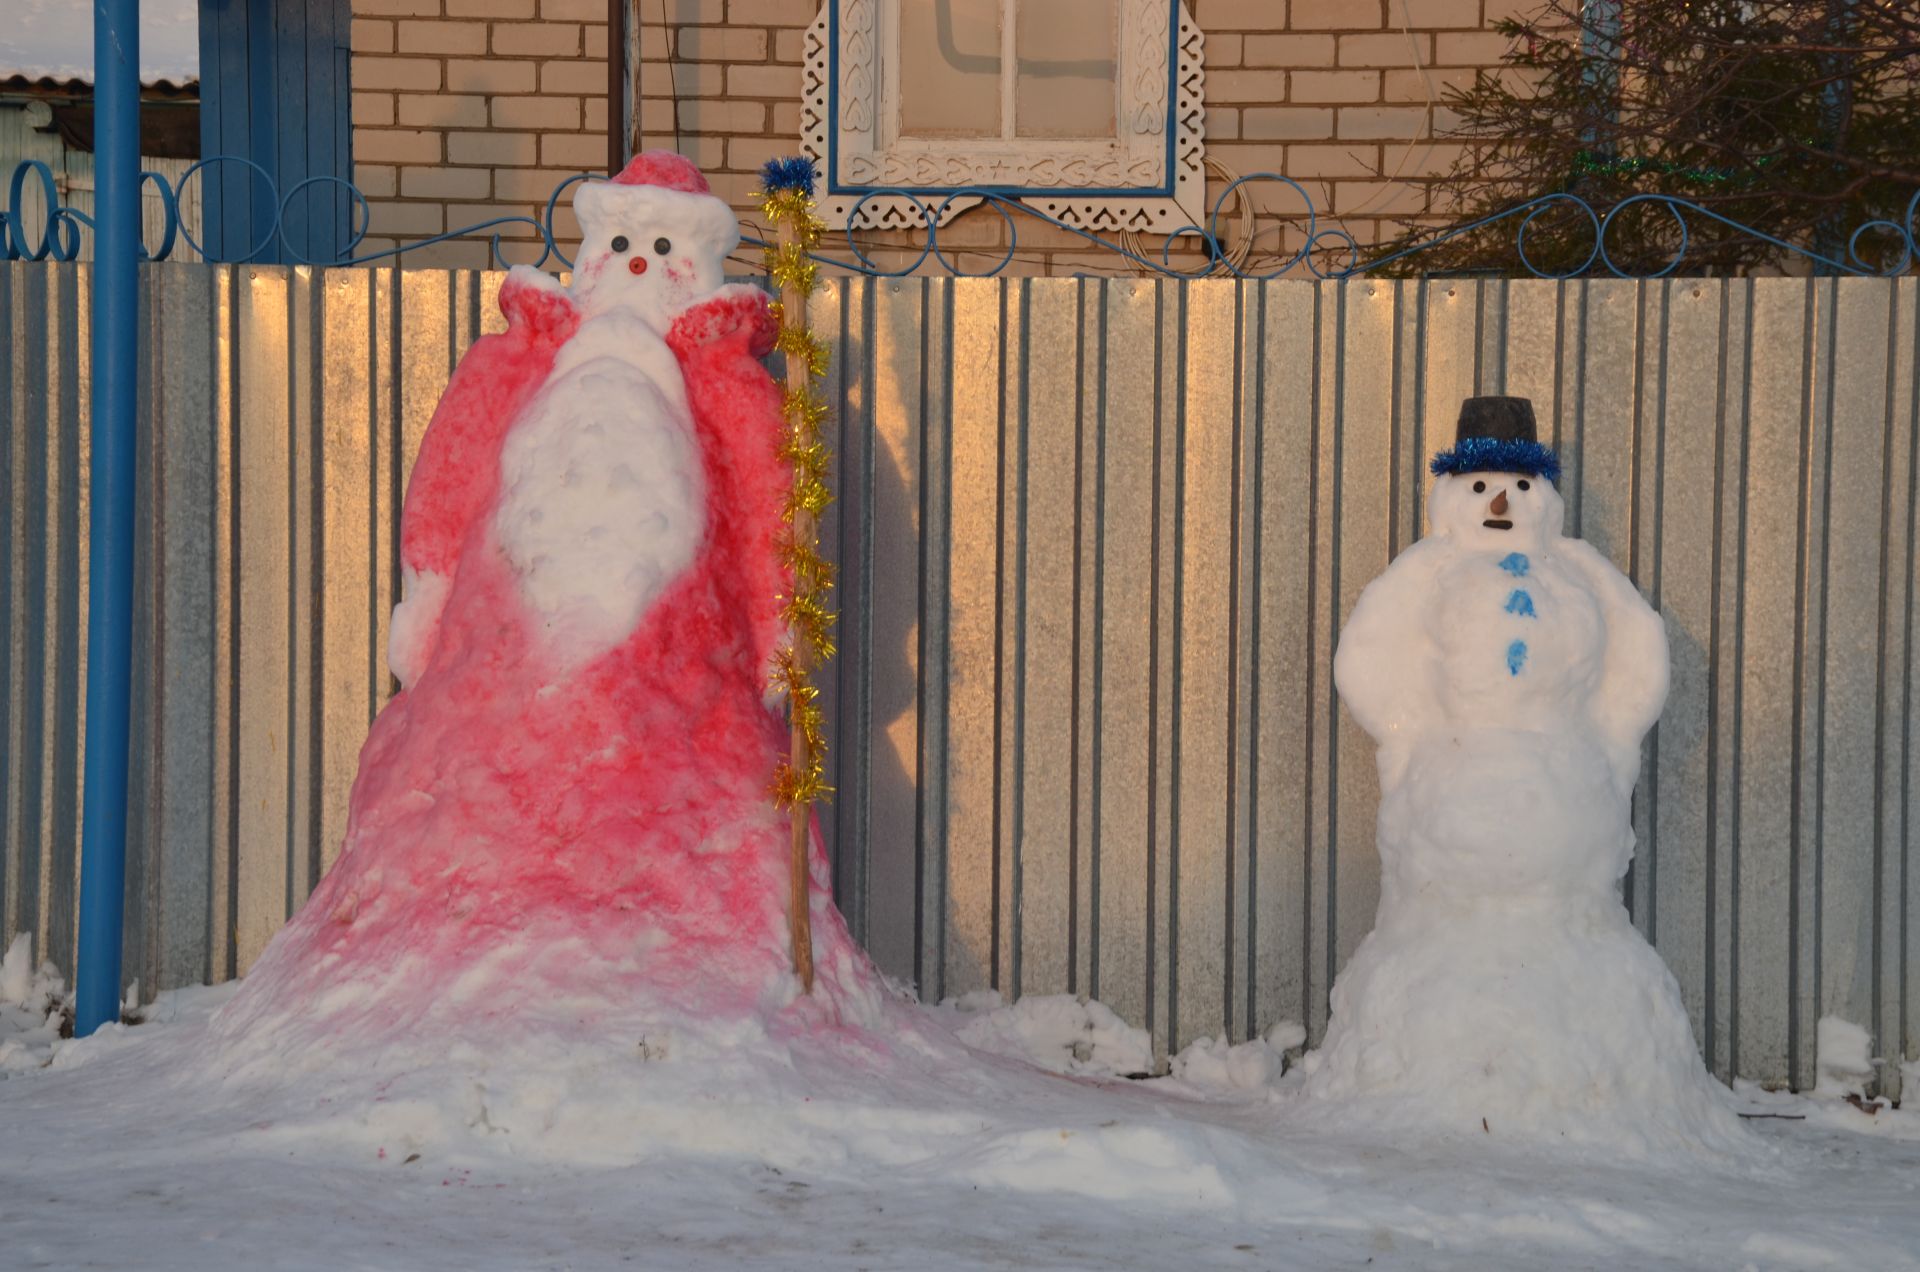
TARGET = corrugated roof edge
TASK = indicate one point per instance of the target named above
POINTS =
(13, 81)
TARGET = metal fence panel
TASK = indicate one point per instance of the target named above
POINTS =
(1097, 539)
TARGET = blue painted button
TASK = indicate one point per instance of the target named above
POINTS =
(1516, 657)
(1521, 603)
(1515, 563)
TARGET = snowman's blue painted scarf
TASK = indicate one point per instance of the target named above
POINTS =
(1494, 455)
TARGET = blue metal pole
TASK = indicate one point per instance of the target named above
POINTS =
(103, 835)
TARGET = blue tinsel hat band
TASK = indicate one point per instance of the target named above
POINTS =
(1497, 455)
(794, 173)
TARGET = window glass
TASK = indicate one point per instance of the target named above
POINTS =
(1064, 76)
(950, 68)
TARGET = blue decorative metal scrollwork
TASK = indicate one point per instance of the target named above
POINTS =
(59, 237)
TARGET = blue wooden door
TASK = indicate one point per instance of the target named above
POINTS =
(273, 84)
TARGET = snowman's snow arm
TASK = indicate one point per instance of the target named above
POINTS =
(456, 478)
(737, 412)
(1384, 663)
(1634, 670)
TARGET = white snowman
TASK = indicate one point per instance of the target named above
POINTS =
(1508, 674)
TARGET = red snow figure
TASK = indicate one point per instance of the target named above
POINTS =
(565, 812)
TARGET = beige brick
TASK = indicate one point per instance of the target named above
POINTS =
(372, 110)
(588, 10)
(442, 110)
(1385, 50)
(406, 220)
(1478, 48)
(594, 41)
(1378, 198)
(1228, 87)
(1285, 123)
(1433, 159)
(1288, 51)
(415, 73)
(750, 154)
(531, 184)
(786, 120)
(1241, 15)
(396, 8)
(1427, 15)
(1332, 161)
(763, 81)
(1223, 123)
(719, 44)
(443, 37)
(583, 151)
(1411, 85)
(536, 39)
(690, 79)
(396, 145)
(594, 114)
(1333, 86)
(460, 214)
(707, 152)
(686, 12)
(370, 35)
(1337, 15)
(1519, 10)
(722, 117)
(441, 182)
(1224, 50)
(575, 75)
(656, 117)
(376, 180)
(491, 76)
(493, 149)
(537, 112)
(791, 47)
(1396, 122)
(510, 9)
(773, 13)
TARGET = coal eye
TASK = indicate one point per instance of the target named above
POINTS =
(620, 243)
(1526, 485)
(662, 246)
(1479, 487)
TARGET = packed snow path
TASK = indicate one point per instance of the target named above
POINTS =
(118, 1156)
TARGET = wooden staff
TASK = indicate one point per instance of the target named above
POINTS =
(793, 311)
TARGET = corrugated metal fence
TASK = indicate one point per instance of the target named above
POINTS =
(1097, 539)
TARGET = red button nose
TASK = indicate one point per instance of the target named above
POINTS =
(638, 264)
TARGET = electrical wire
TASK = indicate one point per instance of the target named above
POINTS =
(671, 37)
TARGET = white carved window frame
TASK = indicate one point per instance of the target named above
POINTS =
(1149, 179)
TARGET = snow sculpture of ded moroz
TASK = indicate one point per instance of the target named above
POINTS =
(1508, 674)
(565, 813)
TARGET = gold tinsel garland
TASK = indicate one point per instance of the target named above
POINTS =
(802, 778)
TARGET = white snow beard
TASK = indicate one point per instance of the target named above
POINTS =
(603, 498)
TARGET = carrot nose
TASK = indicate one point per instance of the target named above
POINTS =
(1499, 505)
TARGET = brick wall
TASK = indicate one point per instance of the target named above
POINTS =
(471, 109)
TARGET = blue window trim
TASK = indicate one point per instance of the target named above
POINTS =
(1162, 191)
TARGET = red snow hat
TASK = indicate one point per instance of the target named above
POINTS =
(666, 169)
(657, 193)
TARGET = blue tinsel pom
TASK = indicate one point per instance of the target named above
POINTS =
(794, 173)
(1493, 455)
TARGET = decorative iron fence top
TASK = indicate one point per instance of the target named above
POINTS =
(59, 237)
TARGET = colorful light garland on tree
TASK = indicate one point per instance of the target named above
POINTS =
(786, 200)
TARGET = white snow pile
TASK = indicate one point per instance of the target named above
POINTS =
(1843, 1058)
(912, 1143)
(33, 1004)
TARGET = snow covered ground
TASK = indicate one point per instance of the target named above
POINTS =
(125, 1151)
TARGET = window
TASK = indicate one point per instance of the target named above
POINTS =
(1090, 110)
